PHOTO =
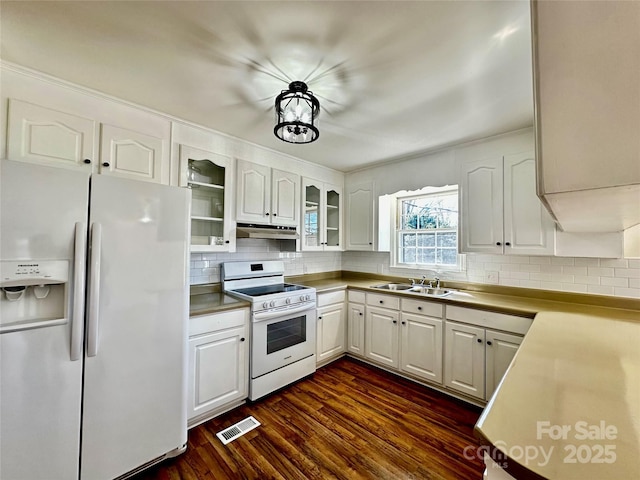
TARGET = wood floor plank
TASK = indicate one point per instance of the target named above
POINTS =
(348, 421)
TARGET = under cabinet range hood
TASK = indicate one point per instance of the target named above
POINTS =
(249, 230)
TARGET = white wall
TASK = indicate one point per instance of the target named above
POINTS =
(438, 168)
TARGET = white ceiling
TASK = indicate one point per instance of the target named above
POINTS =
(394, 78)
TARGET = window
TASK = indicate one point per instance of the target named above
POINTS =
(427, 230)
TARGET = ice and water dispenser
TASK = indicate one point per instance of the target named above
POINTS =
(33, 294)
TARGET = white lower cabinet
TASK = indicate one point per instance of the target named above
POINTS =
(464, 359)
(500, 350)
(421, 342)
(355, 322)
(477, 357)
(381, 331)
(218, 363)
(331, 326)
(406, 336)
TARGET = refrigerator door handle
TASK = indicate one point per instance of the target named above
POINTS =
(77, 324)
(94, 290)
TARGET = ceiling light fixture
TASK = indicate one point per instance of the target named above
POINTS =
(297, 112)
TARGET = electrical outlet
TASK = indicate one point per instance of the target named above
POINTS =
(491, 277)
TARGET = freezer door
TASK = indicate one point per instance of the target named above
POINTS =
(41, 384)
(134, 407)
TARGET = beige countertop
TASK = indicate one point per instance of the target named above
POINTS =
(574, 376)
(207, 300)
(527, 306)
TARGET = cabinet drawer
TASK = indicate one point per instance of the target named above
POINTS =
(217, 321)
(422, 308)
(384, 301)
(330, 298)
(499, 321)
(357, 297)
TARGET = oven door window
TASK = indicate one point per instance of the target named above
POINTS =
(284, 334)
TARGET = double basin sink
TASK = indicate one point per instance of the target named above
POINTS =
(422, 289)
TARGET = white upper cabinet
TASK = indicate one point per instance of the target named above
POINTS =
(500, 212)
(528, 227)
(481, 197)
(266, 196)
(587, 91)
(58, 138)
(322, 217)
(209, 175)
(42, 135)
(125, 153)
(360, 217)
(285, 195)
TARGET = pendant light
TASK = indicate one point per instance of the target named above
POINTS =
(297, 112)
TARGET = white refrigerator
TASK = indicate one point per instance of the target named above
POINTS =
(93, 323)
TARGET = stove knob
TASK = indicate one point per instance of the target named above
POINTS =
(265, 305)
(307, 297)
(302, 298)
(287, 301)
(272, 303)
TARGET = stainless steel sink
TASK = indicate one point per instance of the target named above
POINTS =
(394, 286)
(434, 292)
(421, 289)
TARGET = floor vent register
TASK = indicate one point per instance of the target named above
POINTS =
(234, 431)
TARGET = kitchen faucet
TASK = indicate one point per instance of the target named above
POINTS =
(424, 279)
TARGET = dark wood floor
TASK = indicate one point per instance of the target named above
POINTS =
(348, 421)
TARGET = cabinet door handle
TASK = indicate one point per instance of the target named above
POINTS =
(404, 323)
(419, 308)
(370, 243)
(381, 302)
(86, 160)
(275, 214)
(488, 342)
(319, 318)
(359, 313)
(498, 243)
(508, 244)
(479, 340)
(395, 321)
(267, 214)
(226, 241)
(242, 339)
(105, 164)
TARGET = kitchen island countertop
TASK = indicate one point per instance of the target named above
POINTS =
(569, 405)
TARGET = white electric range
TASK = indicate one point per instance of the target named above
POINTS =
(283, 323)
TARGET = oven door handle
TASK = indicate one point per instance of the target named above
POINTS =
(268, 315)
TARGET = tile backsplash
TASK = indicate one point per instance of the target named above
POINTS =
(205, 267)
(616, 277)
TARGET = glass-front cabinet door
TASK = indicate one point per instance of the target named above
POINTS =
(208, 175)
(322, 216)
(333, 229)
(312, 197)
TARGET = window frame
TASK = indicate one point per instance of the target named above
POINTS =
(396, 233)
